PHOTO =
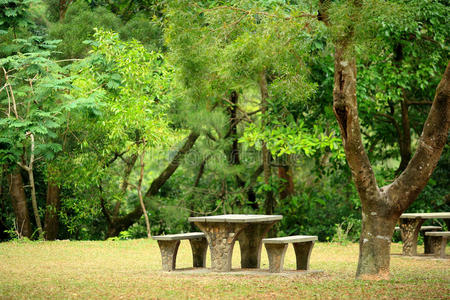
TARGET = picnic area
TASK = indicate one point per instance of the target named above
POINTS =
(132, 269)
(215, 149)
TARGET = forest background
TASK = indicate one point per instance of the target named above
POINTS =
(118, 114)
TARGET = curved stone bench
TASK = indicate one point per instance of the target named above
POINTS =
(168, 245)
(428, 247)
(276, 249)
(438, 241)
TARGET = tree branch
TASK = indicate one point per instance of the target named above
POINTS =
(405, 189)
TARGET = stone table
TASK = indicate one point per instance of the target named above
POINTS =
(223, 231)
(410, 226)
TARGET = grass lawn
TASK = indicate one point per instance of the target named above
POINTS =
(131, 269)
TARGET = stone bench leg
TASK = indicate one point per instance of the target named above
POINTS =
(276, 253)
(303, 253)
(199, 248)
(169, 250)
(428, 246)
(438, 244)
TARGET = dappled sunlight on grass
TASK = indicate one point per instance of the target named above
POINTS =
(131, 269)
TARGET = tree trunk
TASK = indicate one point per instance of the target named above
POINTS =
(3, 228)
(287, 186)
(405, 134)
(52, 206)
(19, 203)
(375, 237)
(375, 244)
(381, 207)
(63, 6)
(269, 203)
(129, 164)
(29, 169)
(233, 155)
(141, 200)
(118, 224)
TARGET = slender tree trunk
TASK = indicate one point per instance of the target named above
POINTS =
(141, 199)
(53, 204)
(29, 169)
(404, 139)
(269, 203)
(63, 6)
(129, 164)
(19, 203)
(233, 155)
(120, 223)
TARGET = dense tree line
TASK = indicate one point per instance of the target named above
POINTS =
(123, 118)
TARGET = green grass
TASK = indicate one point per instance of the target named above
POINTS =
(131, 269)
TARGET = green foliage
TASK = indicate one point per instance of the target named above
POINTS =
(14, 14)
(122, 88)
(145, 29)
(34, 100)
(78, 25)
(134, 89)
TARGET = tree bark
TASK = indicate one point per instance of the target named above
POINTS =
(381, 207)
(118, 224)
(141, 200)
(129, 164)
(269, 203)
(404, 139)
(19, 203)
(233, 155)
(53, 204)
(29, 169)
(63, 6)
(287, 186)
(378, 222)
(405, 189)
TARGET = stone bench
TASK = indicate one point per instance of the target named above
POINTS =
(168, 245)
(438, 241)
(425, 228)
(426, 241)
(276, 249)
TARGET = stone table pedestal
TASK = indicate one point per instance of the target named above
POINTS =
(410, 226)
(223, 231)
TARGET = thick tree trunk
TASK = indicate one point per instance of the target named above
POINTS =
(3, 228)
(375, 237)
(19, 203)
(381, 207)
(118, 224)
(375, 245)
(53, 204)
